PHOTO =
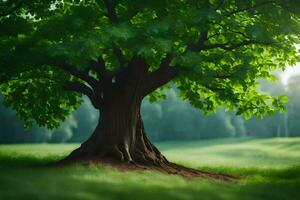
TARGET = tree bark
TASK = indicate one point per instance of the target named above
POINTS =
(120, 136)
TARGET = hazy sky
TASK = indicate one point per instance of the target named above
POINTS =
(289, 71)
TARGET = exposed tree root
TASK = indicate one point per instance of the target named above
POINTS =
(164, 167)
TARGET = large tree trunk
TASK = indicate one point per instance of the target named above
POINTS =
(120, 135)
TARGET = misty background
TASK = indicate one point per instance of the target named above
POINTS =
(171, 119)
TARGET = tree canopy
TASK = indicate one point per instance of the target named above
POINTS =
(213, 51)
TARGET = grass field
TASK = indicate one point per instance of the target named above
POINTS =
(270, 169)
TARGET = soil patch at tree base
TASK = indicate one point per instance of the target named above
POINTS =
(169, 168)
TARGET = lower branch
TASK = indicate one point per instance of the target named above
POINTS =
(159, 78)
(83, 89)
(73, 71)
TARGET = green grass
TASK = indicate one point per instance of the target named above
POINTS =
(270, 169)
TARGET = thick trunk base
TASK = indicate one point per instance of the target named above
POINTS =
(160, 164)
(140, 152)
(145, 156)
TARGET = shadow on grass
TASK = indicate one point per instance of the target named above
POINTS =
(24, 176)
(88, 182)
(28, 177)
(21, 161)
(292, 144)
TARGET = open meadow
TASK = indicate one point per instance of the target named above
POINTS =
(268, 169)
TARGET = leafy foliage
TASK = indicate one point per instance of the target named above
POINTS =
(39, 96)
(221, 49)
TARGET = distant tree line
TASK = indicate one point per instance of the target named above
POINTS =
(169, 119)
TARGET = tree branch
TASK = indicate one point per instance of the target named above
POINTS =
(111, 11)
(98, 66)
(229, 47)
(221, 2)
(165, 63)
(248, 8)
(74, 71)
(161, 76)
(83, 89)
(214, 89)
(112, 16)
(200, 44)
(105, 79)
(120, 56)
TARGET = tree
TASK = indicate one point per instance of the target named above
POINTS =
(117, 52)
